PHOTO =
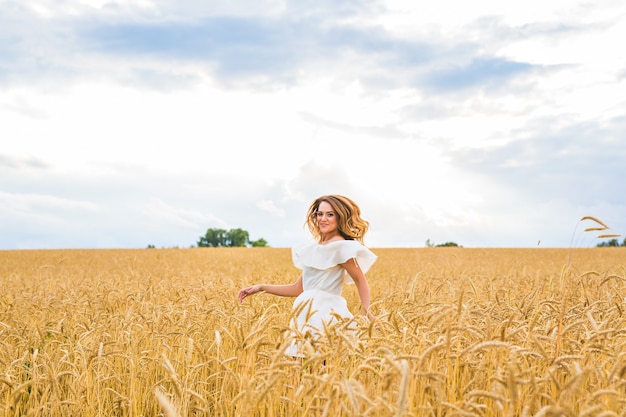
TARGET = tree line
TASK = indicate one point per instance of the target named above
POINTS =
(611, 243)
(430, 244)
(229, 238)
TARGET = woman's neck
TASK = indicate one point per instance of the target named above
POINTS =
(330, 238)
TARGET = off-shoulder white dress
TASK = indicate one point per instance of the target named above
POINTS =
(322, 280)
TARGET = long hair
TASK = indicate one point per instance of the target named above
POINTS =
(349, 222)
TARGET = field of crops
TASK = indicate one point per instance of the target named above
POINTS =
(459, 332)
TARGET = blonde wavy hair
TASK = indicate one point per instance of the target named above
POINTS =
(349, 222)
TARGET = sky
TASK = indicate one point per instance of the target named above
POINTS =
(489, 123)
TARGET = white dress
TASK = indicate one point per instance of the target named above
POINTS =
(322, 280)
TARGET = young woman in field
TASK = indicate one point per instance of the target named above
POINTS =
(336, 254)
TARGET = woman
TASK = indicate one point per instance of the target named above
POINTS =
(336, 254)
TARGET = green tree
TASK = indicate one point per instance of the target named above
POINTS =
(611, 243)
(259, 243)
(213, 237)
(237, 238)
(430, 244)
(232, 238)
(447, 244)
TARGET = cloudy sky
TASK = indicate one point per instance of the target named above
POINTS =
(489, 123)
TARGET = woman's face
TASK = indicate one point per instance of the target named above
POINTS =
(326, 219)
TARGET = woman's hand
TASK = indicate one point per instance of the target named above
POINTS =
(249, 291)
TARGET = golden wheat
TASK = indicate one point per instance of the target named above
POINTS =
(595, 219)
(482, 332)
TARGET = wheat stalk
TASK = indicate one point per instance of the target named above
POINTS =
(166, 406)
(598, 221)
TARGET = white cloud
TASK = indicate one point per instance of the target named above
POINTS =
(128, 123)
(158, 212)
(270, 207)
(12, 203)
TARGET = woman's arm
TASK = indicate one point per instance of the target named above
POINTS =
(353, 269)
(286, 290)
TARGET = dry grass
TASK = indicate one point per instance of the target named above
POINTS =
(460, 332)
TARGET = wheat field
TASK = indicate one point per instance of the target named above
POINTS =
(459, 332)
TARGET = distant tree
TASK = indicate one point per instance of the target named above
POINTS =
(259, 243)
(237, 237)
(430, 244)
(213, 237)
(611, 243)
(448, 244)
(231, 238)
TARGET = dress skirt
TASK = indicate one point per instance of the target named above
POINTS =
(315, 308)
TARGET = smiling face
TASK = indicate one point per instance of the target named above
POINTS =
(335, 216)
(326, 221)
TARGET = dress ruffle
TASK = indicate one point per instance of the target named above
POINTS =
(315, 255)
